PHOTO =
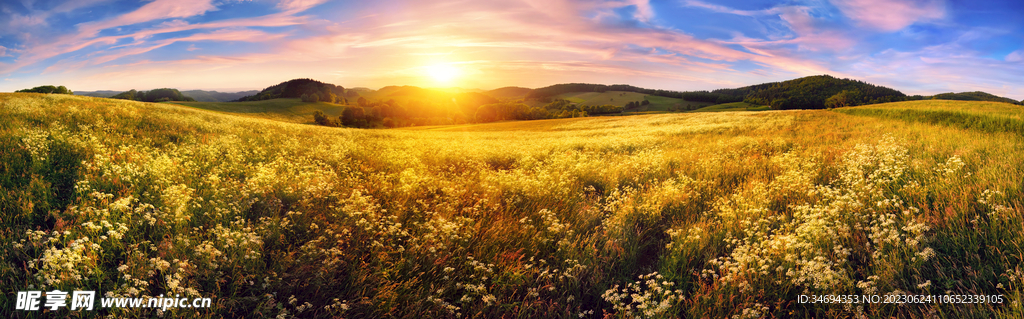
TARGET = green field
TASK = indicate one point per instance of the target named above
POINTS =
(658, 103)
(984, 116)
(692, 215)
(733, 107)
(286, 110)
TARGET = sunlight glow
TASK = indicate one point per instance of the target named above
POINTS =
(442, 73)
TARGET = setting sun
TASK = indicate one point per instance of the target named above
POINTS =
(442, 73)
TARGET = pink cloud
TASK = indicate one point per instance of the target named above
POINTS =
(891, 15)
(724, 9)
(156, 10)
(295, 6)
(1015, 56)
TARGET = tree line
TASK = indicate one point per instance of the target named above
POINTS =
(50, 89)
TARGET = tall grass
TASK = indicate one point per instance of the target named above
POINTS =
(705, 215)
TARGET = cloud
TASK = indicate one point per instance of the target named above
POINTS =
(156, 10)
(891, 15)
(3, 51)
(724, 9)
(1015, 56)
(295, 6)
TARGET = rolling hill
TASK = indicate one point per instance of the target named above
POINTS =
(198, 95)
(974, 96)
(296, 88)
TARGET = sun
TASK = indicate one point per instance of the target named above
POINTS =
(442, 73)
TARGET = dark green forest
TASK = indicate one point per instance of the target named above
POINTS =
(47, 89)
(155, 95)
(815, 92)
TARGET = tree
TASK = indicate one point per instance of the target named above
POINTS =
(352, 116)
(361, 101)
(129, 95)
(320, 118)
(310, 98)
(486, 113)
(843, 99)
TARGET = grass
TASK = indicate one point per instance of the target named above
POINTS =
(982, 116)
(602, 98)
(658, 103)
(697, 215)
(287, 110)
(733, 107)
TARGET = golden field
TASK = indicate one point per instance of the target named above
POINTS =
(696, 215)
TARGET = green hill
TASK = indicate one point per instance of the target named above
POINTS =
(814, 92)
(297, 88)
(100, 93)
(214, 96)
(974, 96)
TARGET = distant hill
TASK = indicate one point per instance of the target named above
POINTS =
(198, 95)
(324, 92)
(814, 92)
(810, 92)
(509, 92)
(102, 93)
(214, 96)
(974, 96)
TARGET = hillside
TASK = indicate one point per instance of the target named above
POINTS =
(198, 95)
(214, 96)
(974, 96)
(297, 88)
(814, 92)
(708, 214)
(101, 93)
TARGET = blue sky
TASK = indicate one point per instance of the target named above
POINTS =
(916, 46)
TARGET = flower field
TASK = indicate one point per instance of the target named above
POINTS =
(696, 215)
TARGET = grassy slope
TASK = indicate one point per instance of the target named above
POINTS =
(288, 110)
(515, 219)
(983, 116)
(658, 103)
(732, 107)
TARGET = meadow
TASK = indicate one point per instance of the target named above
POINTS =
(284, 109)
(696, 215)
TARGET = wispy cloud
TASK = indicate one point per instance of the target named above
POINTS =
(891, 15)
(156, 10)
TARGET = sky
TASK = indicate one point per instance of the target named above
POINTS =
(915, 46)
